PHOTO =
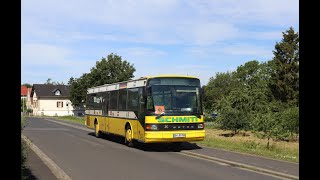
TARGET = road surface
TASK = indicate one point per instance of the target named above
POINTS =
(84, 157)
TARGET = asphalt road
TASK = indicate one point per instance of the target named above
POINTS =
(84, 157)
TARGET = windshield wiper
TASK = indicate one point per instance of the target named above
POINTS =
(162, 114)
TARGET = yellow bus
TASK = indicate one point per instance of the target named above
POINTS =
(154, 109)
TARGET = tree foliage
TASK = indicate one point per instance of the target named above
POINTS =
(285, 64)
(49, 81)
(260, 96)
(106, 71)
(218, 87)
(27, 85)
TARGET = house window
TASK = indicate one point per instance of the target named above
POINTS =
(60, 104)
(57, 93)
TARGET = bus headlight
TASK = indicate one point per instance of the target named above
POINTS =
(200, 126)
(151, 127)
(154, 127)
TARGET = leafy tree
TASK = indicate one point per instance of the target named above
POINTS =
(218, 87)
(110, 70)
(49, 81)
(285, 64)
(107, 71)
(266, 125)
(23, 105)
(27, 85)
(234, 111)
(78, 89)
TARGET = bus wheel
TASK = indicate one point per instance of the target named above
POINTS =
(97, 132)
(128, 137)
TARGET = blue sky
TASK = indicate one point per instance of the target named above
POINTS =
(62, 39)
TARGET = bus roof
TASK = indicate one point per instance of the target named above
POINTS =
(169, 75)
(141, 81)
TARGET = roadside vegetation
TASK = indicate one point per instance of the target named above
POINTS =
(261, 100)
(24, 168)
(247, 142)
(74, 119)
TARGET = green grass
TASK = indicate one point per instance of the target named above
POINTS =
(23, 152)
(23, 122)
(79, 120)
(251, 145)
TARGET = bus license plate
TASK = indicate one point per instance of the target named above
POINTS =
(179, 135)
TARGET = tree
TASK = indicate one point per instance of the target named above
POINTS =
(107, 71)
(237, 108)
(111, 70)
(23, 104)
(234, 111)
(27, 85)
(266, 125)
(78, 89)
(49, 81)
(285, 72)
(218, 87)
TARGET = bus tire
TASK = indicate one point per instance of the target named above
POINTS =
(128, 136)
(97, 132)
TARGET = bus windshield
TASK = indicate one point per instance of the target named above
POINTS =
(174, 96)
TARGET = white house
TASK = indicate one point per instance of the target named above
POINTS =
(51, 100)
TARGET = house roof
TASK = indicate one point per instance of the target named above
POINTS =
(29, 90)
(24, 90)
(49, 90)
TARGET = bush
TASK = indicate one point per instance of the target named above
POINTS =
(251, 144)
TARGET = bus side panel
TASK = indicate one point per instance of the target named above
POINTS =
(140, 131)
(134, 126)
(116, 125)
(102, 123)
(89, 121)
(107, 120)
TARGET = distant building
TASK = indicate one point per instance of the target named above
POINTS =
(24, 93)
(29, 106)
(51, 100)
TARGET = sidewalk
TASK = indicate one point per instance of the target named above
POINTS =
(36, 169)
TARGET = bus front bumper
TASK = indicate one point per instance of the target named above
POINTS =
(168, 136)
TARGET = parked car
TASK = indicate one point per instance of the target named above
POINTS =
(213, 115)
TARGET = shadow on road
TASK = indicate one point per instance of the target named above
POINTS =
(26, 174)
(152, 147)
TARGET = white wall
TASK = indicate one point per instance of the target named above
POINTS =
(48, 107)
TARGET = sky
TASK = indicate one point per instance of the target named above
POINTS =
(62, 39)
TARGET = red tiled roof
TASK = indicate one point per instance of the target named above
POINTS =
(24, 90)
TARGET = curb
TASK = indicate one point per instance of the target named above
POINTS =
(235, 164)
(55, 169)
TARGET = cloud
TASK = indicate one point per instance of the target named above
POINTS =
(43, 54)
(159, 36)
(248, 50)
(262, 12)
